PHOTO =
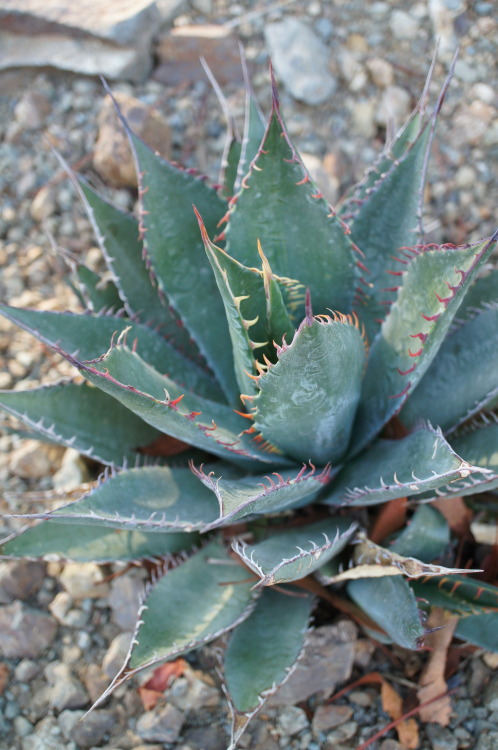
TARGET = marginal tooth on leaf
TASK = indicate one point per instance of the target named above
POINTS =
(257, 344)
(244, 414)
(176, 401)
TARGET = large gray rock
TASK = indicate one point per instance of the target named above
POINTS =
(327, 661)
(90, 37)
(301, 60)
(25, 631)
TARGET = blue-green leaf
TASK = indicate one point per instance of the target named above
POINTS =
(68, 414)
(389, 469)
(390, 602)
(296, 553)
(263, 649)
(307, 400)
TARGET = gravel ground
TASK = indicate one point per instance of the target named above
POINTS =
(68, 628)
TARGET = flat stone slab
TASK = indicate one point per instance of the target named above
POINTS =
(90, 37)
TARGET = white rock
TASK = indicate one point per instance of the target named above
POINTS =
(116, 654)
(403, 25)
(381, 72)
(88, 57)
(43, 204)
(394, 106)
(30, 461)
(72, 473)
(301, 60)
(83, 581)
(292, 720)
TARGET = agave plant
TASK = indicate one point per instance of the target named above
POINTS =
(261, 373)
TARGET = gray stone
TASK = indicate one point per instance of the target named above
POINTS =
(327, 661)
(47, 736)
(301, 60)
(22, 726)
(93, 728)
(487, 741)
(330, 716)
(124, 600)
(95, 681)
(394, 106)
(20, 579)
(192, 690)
(164, 724)
(205, 738)
(116, 654)
(441, 738)
(343, 732)
(291, 720)
(73, 471)
(66, 690)
(26, 670)
(112, 158)
(67, 720)
(31, 110)
(403, 25)
(491, 694)
(25, 631)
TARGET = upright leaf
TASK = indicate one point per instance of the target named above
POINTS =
(280, 206)
(174, 249)
(454, 389)
(118, 236)
(433, 286)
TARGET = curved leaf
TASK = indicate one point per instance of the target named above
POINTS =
(308, 399)
(89, 336)
(160, 402)
(294, 554)
(479, 444)
(192, 604)
(433, 286)
(263, 649)
(52, 541)
(151, 499)
(239, 498)
(389, 469)
(68, 414)
(426, 536)
(390, 602)
(454, 389)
